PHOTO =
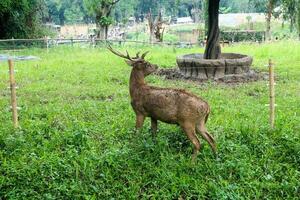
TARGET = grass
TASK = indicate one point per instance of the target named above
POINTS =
(77, 139)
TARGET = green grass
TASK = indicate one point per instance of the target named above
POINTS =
(77, 137)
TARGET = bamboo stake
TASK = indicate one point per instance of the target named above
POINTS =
(13, 93)
(272, 93)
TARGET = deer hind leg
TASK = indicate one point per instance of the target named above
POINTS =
(153, 127)
(202, 130)
(189, 129)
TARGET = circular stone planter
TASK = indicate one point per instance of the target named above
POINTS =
(193, 65)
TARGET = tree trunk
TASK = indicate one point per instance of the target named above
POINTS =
(151, 27)
(61, 17)
(102, 32)
(292, 23)
(213, 49)
(158, 28)
(268, 20)
(101, 16)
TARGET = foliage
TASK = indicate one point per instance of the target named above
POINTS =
(21, 19)
(67, 11)
(77, 139)
(124, 10)
(290, 12)
(239, 36)
(106, 21)
(237, 6)
(101, 10)
(298, 18)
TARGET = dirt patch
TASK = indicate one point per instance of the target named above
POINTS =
(250, 76)
(100, 97)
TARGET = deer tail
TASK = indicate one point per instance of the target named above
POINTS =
(207, 113)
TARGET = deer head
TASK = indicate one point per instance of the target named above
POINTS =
(138, 62)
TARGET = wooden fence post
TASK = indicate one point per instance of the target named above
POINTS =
(13, 93)
(272, 93)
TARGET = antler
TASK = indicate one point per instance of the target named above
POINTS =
(144, 54)
(137, 56)
(119, 53)
(127, 56)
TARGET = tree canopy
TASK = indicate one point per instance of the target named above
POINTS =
(21, 19)
(24, 18)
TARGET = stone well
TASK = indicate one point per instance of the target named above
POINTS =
(194, 66)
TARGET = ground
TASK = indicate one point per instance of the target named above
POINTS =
(77, 139)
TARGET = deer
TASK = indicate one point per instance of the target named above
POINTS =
(172, 106)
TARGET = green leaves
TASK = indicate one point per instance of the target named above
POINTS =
(20, 19)
(106, 21)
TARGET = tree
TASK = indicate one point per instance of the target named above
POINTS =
(289, 8)
(213, 49)
(124, 10)
(66, 11)
(298, 17)
(145, 6)
(156, 27)
(270, 8)
(21, 19)
(266, 6)
(56, 10)
(101, 9)
(235, 6)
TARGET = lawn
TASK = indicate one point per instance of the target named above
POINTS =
(77, 138)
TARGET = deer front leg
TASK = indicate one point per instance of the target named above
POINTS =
(139, 121)
(153, 127)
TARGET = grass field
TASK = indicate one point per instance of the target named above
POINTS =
(77, 138)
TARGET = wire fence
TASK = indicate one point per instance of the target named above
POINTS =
(17, 44)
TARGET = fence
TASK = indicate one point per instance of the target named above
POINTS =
(15, 44)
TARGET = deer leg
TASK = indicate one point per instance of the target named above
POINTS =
(139, 121)
(189, 129)
(202, 130)
(153, 127)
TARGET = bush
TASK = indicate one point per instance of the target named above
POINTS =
(238, 36)
(21, 19)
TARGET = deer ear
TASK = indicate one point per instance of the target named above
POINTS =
(129, 62)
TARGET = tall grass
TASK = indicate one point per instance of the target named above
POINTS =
(77, 139)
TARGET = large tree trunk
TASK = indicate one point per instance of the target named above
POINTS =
(268, 19)
(102, 32)
(213, 49)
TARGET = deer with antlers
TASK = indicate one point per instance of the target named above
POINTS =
(173, 106)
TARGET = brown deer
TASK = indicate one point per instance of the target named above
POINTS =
(173, 106)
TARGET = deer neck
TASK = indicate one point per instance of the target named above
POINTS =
(137, 82)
